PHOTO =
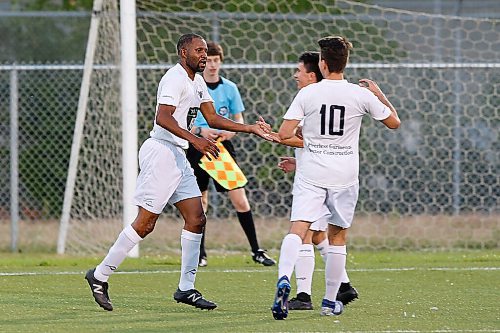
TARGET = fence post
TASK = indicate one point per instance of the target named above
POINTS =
(457, 112)
(14, 160)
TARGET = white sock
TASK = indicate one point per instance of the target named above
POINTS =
(345, 277)
(127, 239)
(190, 249)
(335, 267)
(323, 249)
(304, 269)
(288, 254)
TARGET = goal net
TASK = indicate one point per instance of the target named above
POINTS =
(432, 183)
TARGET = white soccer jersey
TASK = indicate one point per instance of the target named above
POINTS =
(332, 111)
(177, 89)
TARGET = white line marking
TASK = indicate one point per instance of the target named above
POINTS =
(431, 331)
(260, 270)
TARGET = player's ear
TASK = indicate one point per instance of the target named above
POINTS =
(183, 53)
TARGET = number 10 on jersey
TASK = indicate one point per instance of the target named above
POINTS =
(334, 118)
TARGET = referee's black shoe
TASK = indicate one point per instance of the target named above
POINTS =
(99, 290)
(261, 257)
(194, 298)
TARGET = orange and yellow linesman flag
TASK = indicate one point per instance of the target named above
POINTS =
(224, 169)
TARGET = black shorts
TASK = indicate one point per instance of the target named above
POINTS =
(202, 177)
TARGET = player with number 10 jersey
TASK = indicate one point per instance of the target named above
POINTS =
(332, 111)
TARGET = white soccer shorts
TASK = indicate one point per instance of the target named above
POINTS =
(165, 177)
(322, 223)
(309, 202)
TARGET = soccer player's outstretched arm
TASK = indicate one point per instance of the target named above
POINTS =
(165, 119)
(260, 128)
(393, 120)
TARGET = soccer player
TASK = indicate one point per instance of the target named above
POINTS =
(166, 176)
(327, 173)
(228, 103)
(308, 72)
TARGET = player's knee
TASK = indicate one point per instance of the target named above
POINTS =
(318, 237)
(197, 221)
(144, 227)
(241, 204)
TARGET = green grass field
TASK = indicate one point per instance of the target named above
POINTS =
(399, 292)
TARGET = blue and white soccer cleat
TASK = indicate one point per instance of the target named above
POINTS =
(331, 308)
(280, 305)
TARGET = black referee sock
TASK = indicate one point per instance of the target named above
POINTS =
(246, 221)
(203, 252)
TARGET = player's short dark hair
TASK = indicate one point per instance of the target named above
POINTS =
(310, 60)
(214, 49)
(186, 39)
(335, 51)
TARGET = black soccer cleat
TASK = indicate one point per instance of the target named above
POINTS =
(261, 257)
(301, 302)
(99, 290)
(346, 293)
(203, 262)
(194, 298)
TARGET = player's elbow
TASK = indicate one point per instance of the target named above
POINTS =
(392, 122)
(395, 124)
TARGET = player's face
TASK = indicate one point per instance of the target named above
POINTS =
(302, 77)
(213, 65)
(196, 55)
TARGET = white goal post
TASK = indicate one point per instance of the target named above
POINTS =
(128, 85)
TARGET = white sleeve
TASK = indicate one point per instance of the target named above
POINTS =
(376, 109)
(296, 110)
(170, 92)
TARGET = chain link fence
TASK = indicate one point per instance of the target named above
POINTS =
(433, 183)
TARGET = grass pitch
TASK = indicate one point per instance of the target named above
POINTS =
(399, 292)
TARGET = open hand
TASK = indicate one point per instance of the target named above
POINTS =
(225, 135)
(371, 85)
(206, 146)
(265, 126)
(287, 164)
(209, 133)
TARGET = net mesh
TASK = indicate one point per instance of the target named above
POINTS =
(433, 183)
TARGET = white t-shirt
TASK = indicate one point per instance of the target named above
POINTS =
(332, 111)
(177, 89)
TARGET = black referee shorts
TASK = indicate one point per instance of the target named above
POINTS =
(202, 177)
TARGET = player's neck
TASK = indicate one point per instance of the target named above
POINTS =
(188, 70)
(335, 76)
(211, 78)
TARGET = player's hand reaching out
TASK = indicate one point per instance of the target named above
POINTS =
(262, 129)
(209, 133)
(265, 126)
(225, 135)
(372, 86)
(206, 146)
(287, 164)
